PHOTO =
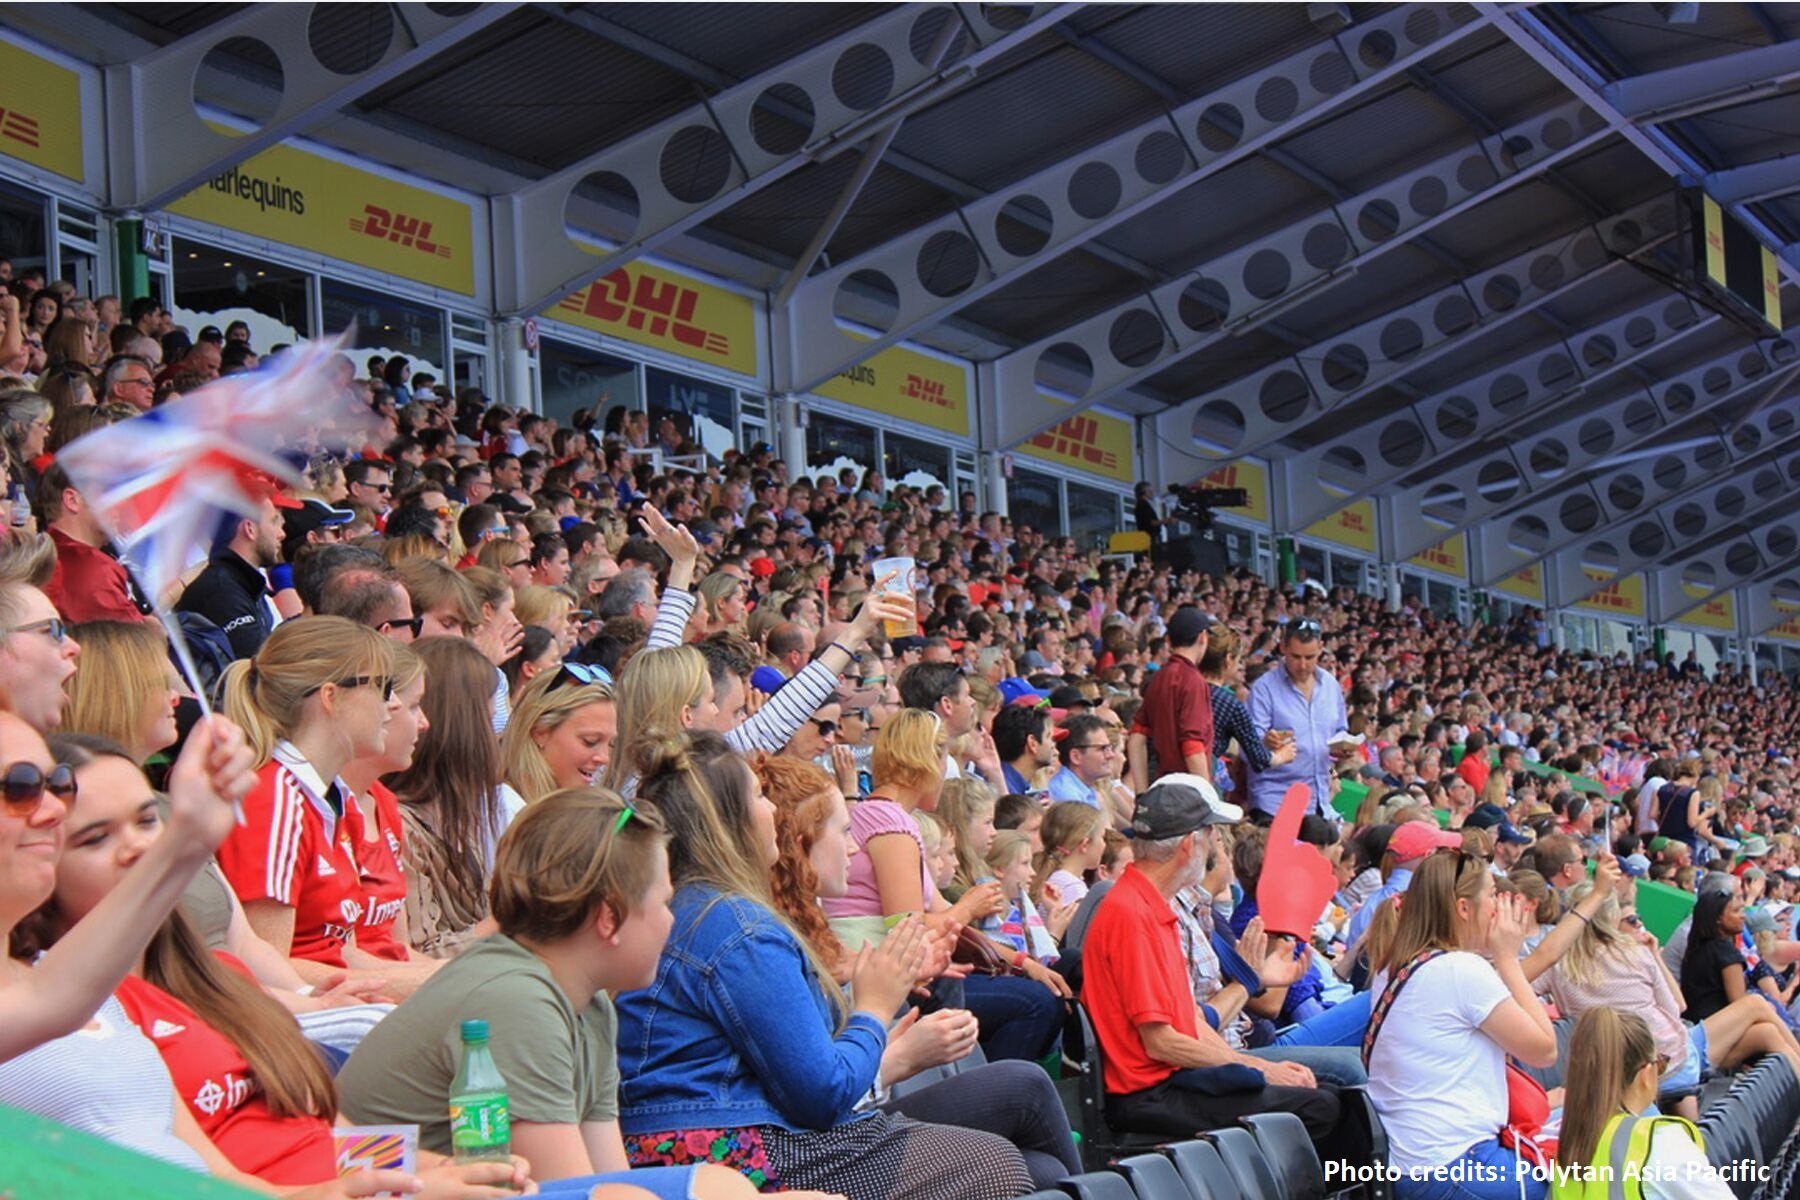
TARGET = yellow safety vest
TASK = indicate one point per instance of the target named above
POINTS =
(1616, 1170)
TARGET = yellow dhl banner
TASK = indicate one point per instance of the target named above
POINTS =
(1788, 630)
(40, 112)
(1525, 583)
(1253, 477)
(316, 203)
(667, 310)
(1718, 613)
(1619, 598)
(1353, 526)
(1087, 441)
(1448, 557)
(902, 383)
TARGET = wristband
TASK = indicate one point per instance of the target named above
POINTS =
(1018, 960)
(848, 653)
(1577, 915)
(304, 990)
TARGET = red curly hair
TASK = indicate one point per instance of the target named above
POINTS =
(801, 793)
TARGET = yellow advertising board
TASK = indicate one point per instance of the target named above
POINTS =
(1718, 613)
(1448, 557)
(1527, 583)
(40, 112)
(1788, 630)
(1088, 441)
(1619, 598)
(902, 383)
(1253, 477)
(1353, 527)
(667, 310)
(316, 203)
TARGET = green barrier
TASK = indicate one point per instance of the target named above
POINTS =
(1662, 907)
(1578, 783)
(1349, 798)
(41, 1160)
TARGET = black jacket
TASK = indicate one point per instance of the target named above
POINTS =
(231, 594)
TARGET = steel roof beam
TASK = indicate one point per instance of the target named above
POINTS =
(161, 148)
(1725, 81)
(1756, 181)
(688, 168)
(1527, 392)
(1088, 193)
(1245, 288)
(1764, 553)
(1695, 497)
(1533, 471)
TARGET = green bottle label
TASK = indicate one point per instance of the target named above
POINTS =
(479, 1123)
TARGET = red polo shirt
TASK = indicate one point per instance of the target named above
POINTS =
(1132, 975)
(89, 584)
(1176, 716)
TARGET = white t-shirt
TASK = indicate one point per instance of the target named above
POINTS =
(1438, 1082)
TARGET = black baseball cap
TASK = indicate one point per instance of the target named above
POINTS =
(1188, 623)
(1178, 804)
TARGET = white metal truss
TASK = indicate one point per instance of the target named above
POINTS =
(1020, 227)
(692, 166)
(1769, 601)
(1133, 341)
(1697, 494)
(1765, 552)
(160, 148)
(1532, 471)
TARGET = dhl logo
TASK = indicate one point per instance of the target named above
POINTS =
(1528, 575)
(1714, 608)
(1716, 240)
(379, 223)
(662, 309)
(1789, 629)
(931, 391)
(1611, 597)
(1224, 477)
(1351, 521)
(1437, 557)
(18, 127)
(1075, 438)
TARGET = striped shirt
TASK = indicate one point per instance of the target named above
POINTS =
(774, 723)
(108, 1081)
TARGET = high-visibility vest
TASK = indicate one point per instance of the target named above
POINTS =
(1624, 1147)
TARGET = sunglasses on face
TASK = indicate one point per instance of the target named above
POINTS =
(23, 785)
(416, 624)
(825, 728)
(357, 681)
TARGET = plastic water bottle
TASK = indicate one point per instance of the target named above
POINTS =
(21, 507)
(480, 1126)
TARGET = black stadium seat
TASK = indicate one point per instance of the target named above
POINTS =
(1256, 1179)
(1099, 1144)
(1154, 1177)
(1097, 1185)
(1290, 1151)
(1205, 1173)
(1363, 1124)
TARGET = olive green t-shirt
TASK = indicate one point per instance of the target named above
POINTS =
(561, 1066)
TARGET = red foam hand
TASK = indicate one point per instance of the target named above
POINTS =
(1296, 881)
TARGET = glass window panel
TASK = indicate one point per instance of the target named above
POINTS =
(1093, 515)
(217, 287)
(1034, 500)
(708, 411)
(387, 327)
(1310, 559)
(1346, 571)
(22, 231)
(573, 377)
(1442, 598)
(833, 444)
(915, 463)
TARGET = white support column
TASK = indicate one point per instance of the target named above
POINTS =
(1390, 581)
(791, 434)
(993, 480)
(515, 366)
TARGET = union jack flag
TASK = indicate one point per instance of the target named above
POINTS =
(161, 484)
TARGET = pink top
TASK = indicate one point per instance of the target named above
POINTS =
(872, 819)
(1632, 981)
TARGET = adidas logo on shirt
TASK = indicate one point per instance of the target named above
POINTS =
(166, 1029)
(325, 867)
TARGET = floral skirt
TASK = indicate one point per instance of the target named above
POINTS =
(740, 1149)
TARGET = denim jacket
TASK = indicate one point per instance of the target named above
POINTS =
(736, 1029)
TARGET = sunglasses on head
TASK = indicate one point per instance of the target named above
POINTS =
(581, 674)
(22, 787)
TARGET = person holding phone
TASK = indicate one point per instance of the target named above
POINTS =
(1302, 705)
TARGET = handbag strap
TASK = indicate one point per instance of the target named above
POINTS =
(1389, 994)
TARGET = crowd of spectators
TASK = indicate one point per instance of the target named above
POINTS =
(767, 874)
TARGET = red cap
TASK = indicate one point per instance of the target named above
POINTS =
(762, 568)
(1415, 839)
